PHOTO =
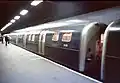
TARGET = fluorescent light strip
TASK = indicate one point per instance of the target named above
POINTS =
(36, 2)
(24, 12)
(17, 17)
(7, 25)
(12, 21)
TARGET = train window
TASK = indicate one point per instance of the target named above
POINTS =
(36, 38)
(33, 37)
(49, 38)
(113, 44)
(55, 36)
(75, 43)
(20, 36)
(29, 38)
(67, 37)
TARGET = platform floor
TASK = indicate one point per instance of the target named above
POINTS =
(20, 66)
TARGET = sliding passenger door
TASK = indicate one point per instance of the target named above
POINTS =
(32, 42)
(42, 42)
(24, 40)
(13, 39)
(90, 55)
(63, 48)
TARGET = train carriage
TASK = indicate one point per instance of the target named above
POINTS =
(110, 69)
(67, 45)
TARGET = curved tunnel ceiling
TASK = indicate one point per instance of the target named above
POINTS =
(49, 11)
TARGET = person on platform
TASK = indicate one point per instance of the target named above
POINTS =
(2, 39)
(6, 40)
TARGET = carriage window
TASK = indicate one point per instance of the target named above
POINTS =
(20, 36)
(55, 37)
(29, 38)
(36, 38)
(33, 37)
(67, 37)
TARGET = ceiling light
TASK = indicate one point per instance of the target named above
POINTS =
(36, 2)
(7, 25)
(12, 21)
(24, 12)
(17, 17)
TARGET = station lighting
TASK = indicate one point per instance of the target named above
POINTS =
(7, 25)
(12, 21)
(24, 12)
(17, 17)
(36, 2)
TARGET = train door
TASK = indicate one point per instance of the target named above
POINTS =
(16, 39)
(28, 42)
(51, 45)
(92, 65)
(20, 40)
(24, 40)
(70, 42)
(42, 42)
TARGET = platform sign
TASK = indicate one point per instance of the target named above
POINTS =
(67, 37)
(55, 36)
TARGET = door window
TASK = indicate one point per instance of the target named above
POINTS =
(33, 37)
(29, 38)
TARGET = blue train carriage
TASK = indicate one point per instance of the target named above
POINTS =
(110, 67)
(67, 45)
